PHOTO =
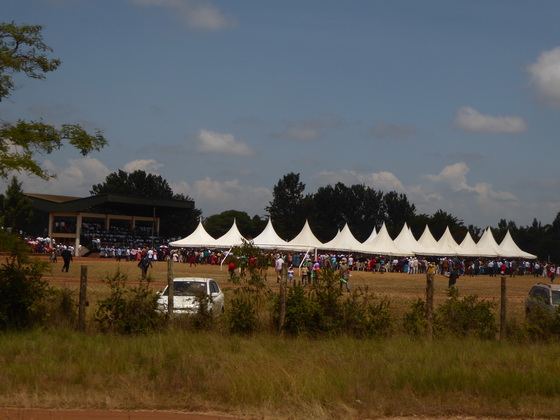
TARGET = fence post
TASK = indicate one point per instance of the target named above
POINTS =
(503, 309)
(283, 285)
(170, 288)
(83, 303)
(430, 274)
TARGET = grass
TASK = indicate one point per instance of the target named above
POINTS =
(268, 376)
(272, 377)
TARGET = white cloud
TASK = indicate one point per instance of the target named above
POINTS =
(385, 181)
(74, 180)
(448, 190)
(215, 197)
(545, 77)
(210, 142)
(197, 15)
(469, 119)
(146, 165)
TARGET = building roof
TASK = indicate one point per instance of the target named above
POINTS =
(105, 203)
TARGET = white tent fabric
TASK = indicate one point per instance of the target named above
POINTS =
(379, 243)
(427, 240)
(487, 245)
(468, 247)
(232, 238)
(446, 246)
(372, 235)
(382, 244)
(406, 241)
(198, 239)
(305, 239)
(343, 241)
(511, 250)
(268, 238)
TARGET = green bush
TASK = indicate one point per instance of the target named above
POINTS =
(414, 321)
(465, 317)
(302, 313)
(542, 325)
(23, 294)
(251, 294)
(62, 308)
(128, 310)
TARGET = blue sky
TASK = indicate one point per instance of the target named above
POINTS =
(453, 103)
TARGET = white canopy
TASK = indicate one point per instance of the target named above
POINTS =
(232, 238)
(468, 247)
(382, 244)
(407, 242)
(378, 243)
(305, 239)
(268, 238)
(487, 245)
(343, 241)
(511, 250)
(427, 240)
(198, 239)
(446, 246)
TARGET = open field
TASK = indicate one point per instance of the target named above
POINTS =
(400, 288)
(271, 377)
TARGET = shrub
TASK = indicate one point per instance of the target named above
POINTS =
(414, 321)
(62, 308)
(251, 294)
(128, 310)
(23, 294)
(542, 325)
(302, 313)
(464, 317)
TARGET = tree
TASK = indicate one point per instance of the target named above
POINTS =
(441, 220)
(134, 183)
(398, 211)
(287, 206)
(218, 224)
(22, 50)
(17, 207)
(174, 222)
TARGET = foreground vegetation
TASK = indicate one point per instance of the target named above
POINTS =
(273, 377)
(335, 354)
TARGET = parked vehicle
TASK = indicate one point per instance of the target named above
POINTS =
(543, 295)
(189, 293)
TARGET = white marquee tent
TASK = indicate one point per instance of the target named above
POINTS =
(378, 243)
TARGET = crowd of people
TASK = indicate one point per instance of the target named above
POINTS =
(112, 246)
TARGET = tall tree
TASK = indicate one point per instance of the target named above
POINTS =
(441, 220)
(398, 211)
(17, 207)
(22, 50)
(287, 208)
(134, 183)
(218, 224)
(174, 222)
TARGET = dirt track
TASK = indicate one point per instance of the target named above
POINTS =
(40, 414)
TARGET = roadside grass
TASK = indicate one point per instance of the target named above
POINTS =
(273, 377)
(268, 376)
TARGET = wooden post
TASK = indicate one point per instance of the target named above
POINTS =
(283, 285)
(430, 274)
(503, 309)
(83, 299)
(170, 288)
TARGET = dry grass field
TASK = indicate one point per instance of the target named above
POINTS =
(401, 289)
(269, 376)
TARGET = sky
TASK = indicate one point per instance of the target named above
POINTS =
(453, 103)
